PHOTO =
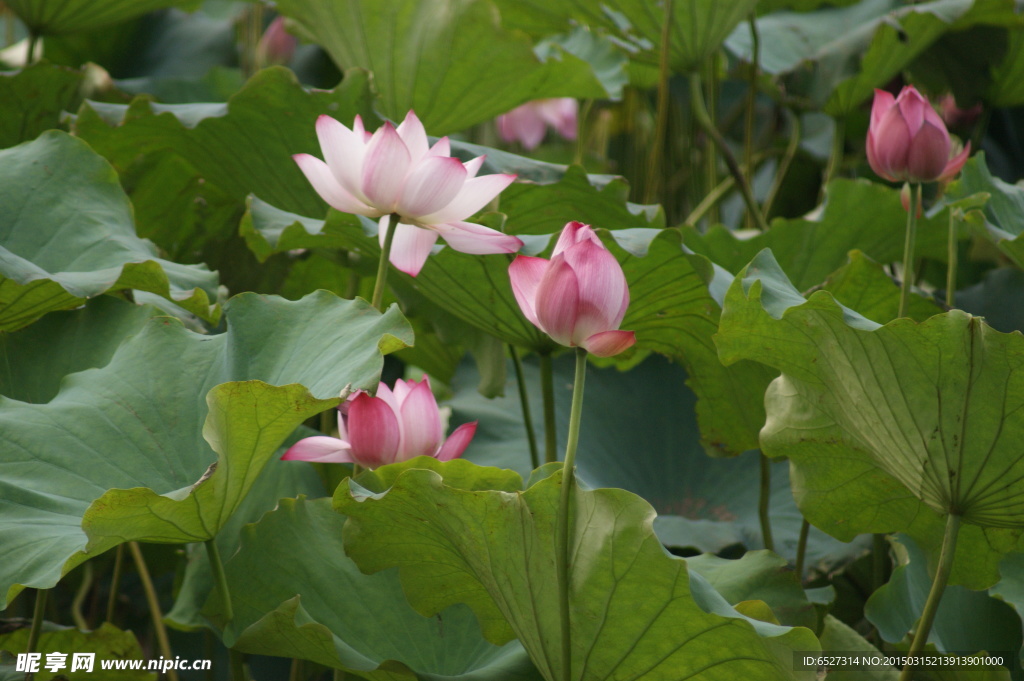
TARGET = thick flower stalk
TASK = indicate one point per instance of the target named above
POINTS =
(528, 123)
(579, 297)
(907, 140)
(393, 426)
(395, 172)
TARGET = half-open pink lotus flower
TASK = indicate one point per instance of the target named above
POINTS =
(579, 297)
(529, 122)
(907, 141)
(393, 426)
(394, 170)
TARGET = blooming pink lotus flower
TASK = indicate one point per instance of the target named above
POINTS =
(579, 297)
(394, 170)
(527, 123)
(907, 141)
(393, 426)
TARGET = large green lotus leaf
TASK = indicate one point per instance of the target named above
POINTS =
(674, 311)
(837, 635)
(67, 234)
(1001, 220)
(863, 285)
(966, 622)
(34, 360)
(71, 16)
(894, 44)
(1010, 588)
(887, 428)
(449, 60)
(855, 49)
(826, 39)
(244, 146)
(33, 99)
(296, 594)
(857, 215)
(181, 212)
(759, 575)
(672, 308)
(698, 26)
(279, 479)
(545, 208)
(998, 297)
(635, 612)
(704, 504)
(123, 442)
(106, 642)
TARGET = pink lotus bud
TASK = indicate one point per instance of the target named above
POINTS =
(395, 170)
(527, 123)
(954, 116)
(579, 297)
(907, 141)
(393, 426)
(276, 45)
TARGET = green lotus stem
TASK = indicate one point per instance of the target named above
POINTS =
(764, 503)
(547, 392)
(524, 404)
(748, 124)
(382, 267)
(801, 549)
(908, 249)
(581, 120)
(838, 143)
(251, 39)
(931, 606)
(33, 40)
(710, 92)
(221, 580)
(712, 198)
(154, 606)
(296, 673)
(787, 160)
(80, 594)
(704, 119)
(115, 582)
(951, 267)
(654, 174)
(236, 665)
(38, 614)
(562, 523)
